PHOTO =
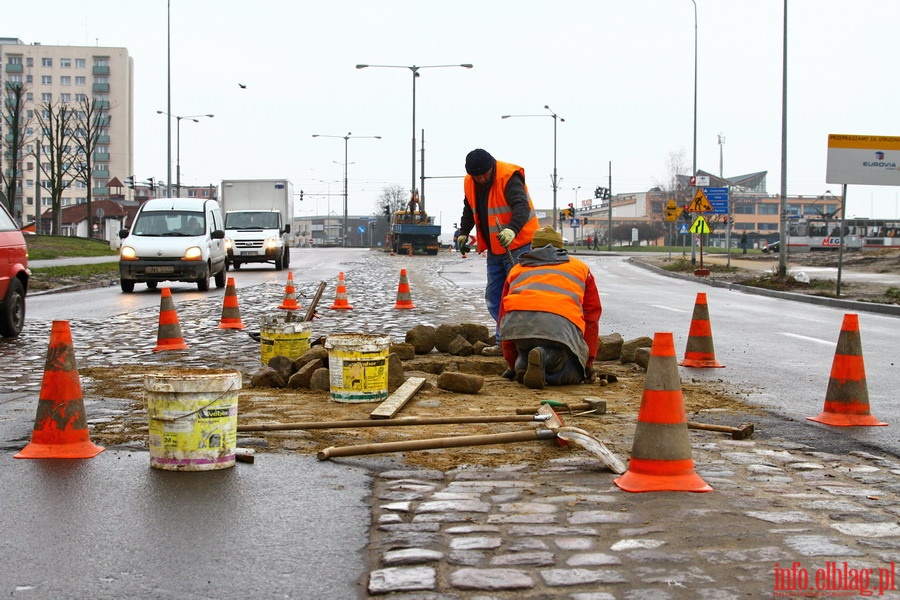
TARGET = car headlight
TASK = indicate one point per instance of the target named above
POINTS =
(273, 242)
(128, 253)
(193, 253)
(229, 244)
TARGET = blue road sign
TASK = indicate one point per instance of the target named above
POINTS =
(683, 228)
(361, 229)
(574, 223)
(718, 199)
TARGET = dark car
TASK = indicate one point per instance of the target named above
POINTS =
(773, 247)
(14, 275)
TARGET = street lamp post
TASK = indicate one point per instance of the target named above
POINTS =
(415, 73)
(178, 118)
(575, 230)
(346, 138)
(555, 118)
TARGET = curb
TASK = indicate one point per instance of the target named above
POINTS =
(855, 305)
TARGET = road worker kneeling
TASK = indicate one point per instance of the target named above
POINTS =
(549, 315)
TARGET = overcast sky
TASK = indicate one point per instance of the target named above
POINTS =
(620, 72)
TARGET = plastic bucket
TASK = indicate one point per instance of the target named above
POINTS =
(358, 367)
(193, 419)
(281, 335)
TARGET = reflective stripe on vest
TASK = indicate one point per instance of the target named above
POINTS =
(557, 289)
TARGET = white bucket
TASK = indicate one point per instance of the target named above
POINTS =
(193, 418)
(281, 335)
(358, 367)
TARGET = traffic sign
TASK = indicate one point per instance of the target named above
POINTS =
(574, 223)
(718, 199)
(699, 181)
(683, 228)
(361, 229)
(700, 203)
(700, 225)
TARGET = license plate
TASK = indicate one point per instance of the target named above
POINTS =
(249, 252)
(161, 269)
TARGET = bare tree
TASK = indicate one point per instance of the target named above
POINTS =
(91, 121)
(15, 124)
(676, 165)
(392, 199)
(57, 135)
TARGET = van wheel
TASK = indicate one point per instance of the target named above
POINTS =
(12, 320)
(203, 283)
(151, 285)
(287, 257)
(236, 265)
(127, 285)
(279, 262)
(221, 278)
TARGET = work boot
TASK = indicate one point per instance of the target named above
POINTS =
(509, 374)
(494, 350)
(534, 375)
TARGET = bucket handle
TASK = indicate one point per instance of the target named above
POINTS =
(193, 412)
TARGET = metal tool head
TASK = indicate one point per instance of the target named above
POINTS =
(553, 423)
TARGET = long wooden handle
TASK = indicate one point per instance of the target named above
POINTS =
(311, 311)
(436, 443)
(386, 422)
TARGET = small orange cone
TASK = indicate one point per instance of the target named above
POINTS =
(661, 452)
(60, 426)
(404, 300)
(847, 397)
(700, 353)
(340, 299)
(168, 336)
(231, 314)
(290, 296)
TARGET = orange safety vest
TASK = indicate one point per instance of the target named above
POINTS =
(498, 209)
(552, 288)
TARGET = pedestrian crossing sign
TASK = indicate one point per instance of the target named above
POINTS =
(683, 228)
(700, 225)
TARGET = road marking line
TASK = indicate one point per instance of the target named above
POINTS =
(678, 310)
(811, 339)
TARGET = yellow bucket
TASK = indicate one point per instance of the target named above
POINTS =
(358, 367)
(193, 418)
(282, 335)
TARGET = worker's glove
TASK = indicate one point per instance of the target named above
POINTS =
(506, 237)
(461, 240)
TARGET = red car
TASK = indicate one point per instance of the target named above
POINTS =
(14, 275)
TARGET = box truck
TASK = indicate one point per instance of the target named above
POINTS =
(258, 215)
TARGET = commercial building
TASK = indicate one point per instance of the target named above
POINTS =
(54, 75)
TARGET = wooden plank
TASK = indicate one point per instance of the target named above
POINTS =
(395, 401)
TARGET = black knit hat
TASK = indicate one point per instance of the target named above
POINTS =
(479, 162)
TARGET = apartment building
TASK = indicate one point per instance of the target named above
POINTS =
(67, 74)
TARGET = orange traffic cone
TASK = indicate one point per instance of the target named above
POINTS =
(60, 426)
(847, 397)
(231, 314)
(700, 353)
(340, 300)
(290, 297)
(661, 452)
(168, 336)
(404, 300)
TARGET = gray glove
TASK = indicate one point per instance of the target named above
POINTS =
(506, 237)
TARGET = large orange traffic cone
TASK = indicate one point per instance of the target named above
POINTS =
(700, 353)
(290, 296)
(404, 300)
(231, 314)
(661, 452)
(340, 299)
(60, 426)
(168, 336)
(847, 397)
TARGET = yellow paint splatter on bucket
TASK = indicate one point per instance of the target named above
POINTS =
(358, 367)
(193, 418)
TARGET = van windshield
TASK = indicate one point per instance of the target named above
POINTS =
(251, 220)
(170, 223)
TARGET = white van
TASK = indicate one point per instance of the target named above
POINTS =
(174, 239)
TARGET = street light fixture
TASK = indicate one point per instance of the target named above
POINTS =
(346, 138)
(178, 118)
(556, 118)
(415, 72)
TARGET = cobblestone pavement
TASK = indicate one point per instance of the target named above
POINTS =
(785, 519)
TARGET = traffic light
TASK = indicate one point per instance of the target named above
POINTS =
(301, 195)
(585, 220)
(562, 215)
(571, 209)
(129, 182)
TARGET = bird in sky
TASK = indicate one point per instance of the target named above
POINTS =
(243, 87)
